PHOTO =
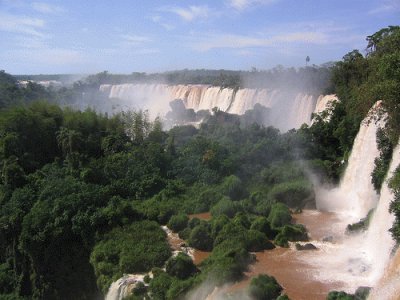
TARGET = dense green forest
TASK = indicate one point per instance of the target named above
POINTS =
(83, 194)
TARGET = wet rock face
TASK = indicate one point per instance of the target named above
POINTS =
(307, 246)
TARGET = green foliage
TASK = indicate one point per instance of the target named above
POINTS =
(181, 266)
(178, 222)
(261, 224)
(383, 161)
(257, 241)
(159, 286)
(264, 287)
(394, 184)
(200, 237)
(132, 249)
(335, 295)
(227, 207)
(279, 215)
(179, 288)
(232, 187)
(293, 193)
(227, 262)
(291, 233)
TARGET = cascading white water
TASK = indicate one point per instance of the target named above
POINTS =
(379, 241)
(355, 195)
(122, 287)
(288, 110)
(324, 101)
(357, 259)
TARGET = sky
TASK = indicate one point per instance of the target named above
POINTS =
(125, 36)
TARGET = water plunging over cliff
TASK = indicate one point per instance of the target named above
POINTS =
(288, 110)
(358, 259)
(355, 195)
(379, 241)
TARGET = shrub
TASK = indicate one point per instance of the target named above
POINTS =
(132, 249)
(261, 224)
(226, 207)
(293, 194)
(233, 188)
(293, 233)
(335, 295)
(178, 222)
(279, 215)
(257, 241)
(264, 287)
(159, 285)
(217, 224)
(242, 219)
(181, 266)
(200, 237)
(227, 262)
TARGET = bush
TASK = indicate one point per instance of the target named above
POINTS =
(200, 237)
(257, 241)
(132, 249)
(181, 266)
(261, 224)
(179, 288)
(193, 223)
(335, 295)
(282, 172)
(293, 233)
(233, 188)
(264, 287)
(217, 224)
(185, 233)
(178, 222)
(293, 194)
(159, 285)
(242, 219)
(279, 215)
(232, 232)
(226, 207)
(227, 262)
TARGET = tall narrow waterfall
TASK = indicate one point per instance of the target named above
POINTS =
(379, 241)
(355, 195)
(288, 110)
(358, 259)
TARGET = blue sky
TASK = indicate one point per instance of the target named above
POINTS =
(124, 36)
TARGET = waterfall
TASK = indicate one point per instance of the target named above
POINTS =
(358, 259)
(379, 241)
(324, 101)
(122, 287)
(355, 195)
(288, 110)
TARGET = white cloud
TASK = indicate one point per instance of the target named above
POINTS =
(214, 41)
(387, 6)
(21, 24)
(46, 8)
(191, 13)
(241, 5)
(134, 40)
(159, 20)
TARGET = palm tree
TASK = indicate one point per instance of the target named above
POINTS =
(307, 60)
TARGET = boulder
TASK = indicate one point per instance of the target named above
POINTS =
(307, 246)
